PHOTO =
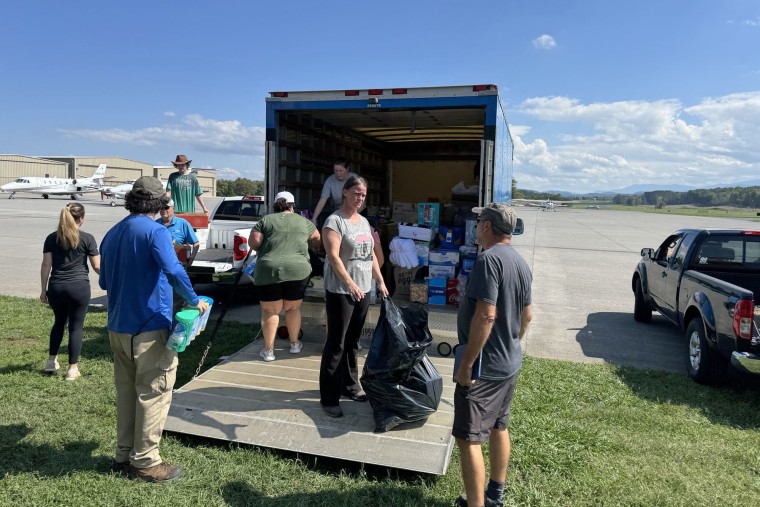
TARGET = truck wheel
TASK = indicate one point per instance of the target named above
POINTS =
(642, 312)
(703, 364)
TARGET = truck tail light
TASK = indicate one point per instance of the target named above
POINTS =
(240, 248)
(743, 319)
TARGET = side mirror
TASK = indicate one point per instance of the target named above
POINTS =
(647, 253)
(519, 227)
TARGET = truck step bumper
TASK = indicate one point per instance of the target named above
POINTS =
(746, 362)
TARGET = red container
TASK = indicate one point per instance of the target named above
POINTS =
(452, 291)
(197, 220)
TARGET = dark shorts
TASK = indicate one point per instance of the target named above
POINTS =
(482, 407)
(289, 291)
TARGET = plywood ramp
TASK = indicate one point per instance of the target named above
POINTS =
(276, 405)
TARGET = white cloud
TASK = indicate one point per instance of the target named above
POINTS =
(752, 22)
(544, 42)
(604, 146)
(170, 114)
(194, 132)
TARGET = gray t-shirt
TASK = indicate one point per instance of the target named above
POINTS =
(502, 278)
(355, 253)
(333, 188)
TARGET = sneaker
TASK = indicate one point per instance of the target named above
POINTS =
(334, 411)
(72, 374)
(52, 366)
(120, 467)
(163, 472)
(267, 355)
(462, 502)
(296, 347)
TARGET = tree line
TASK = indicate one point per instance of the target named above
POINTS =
(740, 197)
(239, 186)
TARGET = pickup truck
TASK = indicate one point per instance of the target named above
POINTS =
(225, 248)
(707, 282)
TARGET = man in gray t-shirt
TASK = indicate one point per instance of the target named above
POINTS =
(333, 188)
(493, 318)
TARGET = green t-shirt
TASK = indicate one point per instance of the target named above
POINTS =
(184, 188)
(284, 253)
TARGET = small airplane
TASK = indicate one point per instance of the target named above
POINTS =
(547, 205)
(119, 191)
(57, 186)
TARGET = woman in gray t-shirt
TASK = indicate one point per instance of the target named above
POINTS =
(348, 277)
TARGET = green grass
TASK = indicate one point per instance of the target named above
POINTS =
(582, 435)
(717, 212)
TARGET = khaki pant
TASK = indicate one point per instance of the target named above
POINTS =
(144, 373)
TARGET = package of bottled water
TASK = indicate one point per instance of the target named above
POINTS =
(189, 324)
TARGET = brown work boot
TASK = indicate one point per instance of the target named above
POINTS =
(163, 472)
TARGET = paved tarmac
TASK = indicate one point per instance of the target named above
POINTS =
(582, 262)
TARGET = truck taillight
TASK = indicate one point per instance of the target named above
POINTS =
(743, 319)
(240, 248)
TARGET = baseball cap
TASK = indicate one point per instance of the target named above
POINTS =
(501, 216)
(148, 187)
(285, 195)
(170, 203)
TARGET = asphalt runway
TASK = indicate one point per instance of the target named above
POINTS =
(582, 262)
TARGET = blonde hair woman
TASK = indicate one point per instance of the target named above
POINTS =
(64, 276)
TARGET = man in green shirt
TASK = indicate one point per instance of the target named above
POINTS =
(183, 187)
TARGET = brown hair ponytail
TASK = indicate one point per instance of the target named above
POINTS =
(67, 235)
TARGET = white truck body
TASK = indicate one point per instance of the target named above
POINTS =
(411, 145)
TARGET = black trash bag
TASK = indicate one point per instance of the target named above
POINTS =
(401, 382)
(400, 338)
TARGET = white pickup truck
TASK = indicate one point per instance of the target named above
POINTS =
(225, 248)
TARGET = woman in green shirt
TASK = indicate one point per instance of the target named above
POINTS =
(282, 269)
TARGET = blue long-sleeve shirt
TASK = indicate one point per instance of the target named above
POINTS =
(138, 268)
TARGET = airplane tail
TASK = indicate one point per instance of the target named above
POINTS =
(100, 172)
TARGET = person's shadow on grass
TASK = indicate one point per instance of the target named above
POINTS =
(240, 494)
(18, 456)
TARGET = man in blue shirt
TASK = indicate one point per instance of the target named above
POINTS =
(139, 269)
(185, 241)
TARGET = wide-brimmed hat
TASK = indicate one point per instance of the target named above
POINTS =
(147, 187)
(501, 216)
(181, 159)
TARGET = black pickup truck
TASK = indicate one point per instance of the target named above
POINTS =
(707, 282)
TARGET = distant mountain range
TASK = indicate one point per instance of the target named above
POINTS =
(650, 187)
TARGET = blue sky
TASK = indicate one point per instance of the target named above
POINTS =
(600, 94)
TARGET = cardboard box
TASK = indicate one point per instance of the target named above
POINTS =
(404, 212)
(468, 252)
(416, 232)
(469, 231)
(467, 265)
(423, 252)
(444, 257)
(450, 238)
(197, 220)
(429, 213)
(403, 278)
(437, 291)
(443, 271)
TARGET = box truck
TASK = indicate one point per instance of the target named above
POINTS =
(449, 145)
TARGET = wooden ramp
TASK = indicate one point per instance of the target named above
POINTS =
(276, 405)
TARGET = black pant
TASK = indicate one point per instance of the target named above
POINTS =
(69, 302)
(338, 372)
